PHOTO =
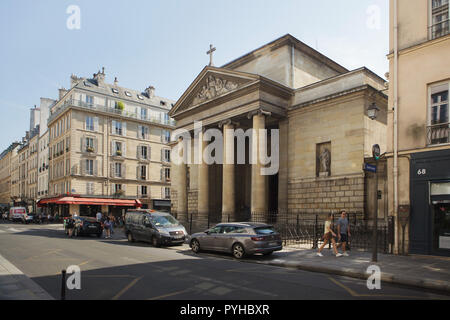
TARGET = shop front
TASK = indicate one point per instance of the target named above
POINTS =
(162, 205)
(430, 203)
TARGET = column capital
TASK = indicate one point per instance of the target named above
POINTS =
(259, 112)
(228, 122)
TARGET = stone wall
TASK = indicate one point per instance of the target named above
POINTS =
(192, 201)
(327, 195)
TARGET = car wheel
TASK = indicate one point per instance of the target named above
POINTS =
(238, 251)
(155, 242)
(130, 237)
(195, 246)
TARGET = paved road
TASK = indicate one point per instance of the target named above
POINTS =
(116, 269)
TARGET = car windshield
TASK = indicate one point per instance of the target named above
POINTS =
(265, 230)
(163, 221)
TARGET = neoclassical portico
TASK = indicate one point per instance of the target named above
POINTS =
(227, 101)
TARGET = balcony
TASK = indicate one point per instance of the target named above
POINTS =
(439, 29)
(438, 134)
(102, 108)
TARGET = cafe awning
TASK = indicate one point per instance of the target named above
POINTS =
(91, 201)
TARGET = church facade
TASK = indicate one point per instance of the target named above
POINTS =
(315, 114)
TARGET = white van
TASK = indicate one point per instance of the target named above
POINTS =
(17, 214)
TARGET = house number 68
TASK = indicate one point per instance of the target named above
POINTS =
(422, 172)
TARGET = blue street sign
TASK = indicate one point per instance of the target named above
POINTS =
(369, 168)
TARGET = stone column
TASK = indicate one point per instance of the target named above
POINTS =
(259, 205)
(228, 183)
(203, 182)
(283, 170)
(179, 182)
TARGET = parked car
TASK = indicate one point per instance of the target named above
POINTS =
(158, 228)
(240, 239)
(86, 226)
(16, 214)
(28, 218)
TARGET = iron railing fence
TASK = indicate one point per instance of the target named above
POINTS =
(306, 230)
(438, 134)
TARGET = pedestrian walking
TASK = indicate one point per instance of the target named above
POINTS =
(343, 228)
(70, 225)
(98, 216)
(329, 236)
(107, 226)
(112, 220)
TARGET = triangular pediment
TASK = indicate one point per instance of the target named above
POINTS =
(212, 83)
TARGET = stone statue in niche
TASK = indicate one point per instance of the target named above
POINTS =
(325, 162)
(214, 87)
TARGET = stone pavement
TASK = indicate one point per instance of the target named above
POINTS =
(428, 272)
(14, 285)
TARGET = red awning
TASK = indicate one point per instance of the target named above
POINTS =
(92, 202)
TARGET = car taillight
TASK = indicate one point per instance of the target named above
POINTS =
(258, 238)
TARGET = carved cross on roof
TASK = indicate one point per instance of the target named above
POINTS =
(210, 52)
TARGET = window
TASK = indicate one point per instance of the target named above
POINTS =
(143, 132)
(90, 167)
(143, 114)
(166, 174)
(90, 123)
(439, 129)
(89, 144)
(90, 100)
(143, 190)
(118, 169)
(143, 172)
(144, 152)
(118, 127)
(167, 193)
(140, 97)
(117, 188)
(439, 18)
(115, 91)
(166, 155)
(166, 136)
(90, 188)
(117, 148)
(127, 94)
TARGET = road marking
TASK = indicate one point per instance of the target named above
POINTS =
(51, 251)
(357, 295)
(83, 263)
(132, 283)
(14, 230)
(170, 294)
(109, 276)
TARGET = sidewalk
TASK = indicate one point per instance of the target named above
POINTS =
(427, 272)
(14, 285)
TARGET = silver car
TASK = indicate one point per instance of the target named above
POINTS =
(240, 239)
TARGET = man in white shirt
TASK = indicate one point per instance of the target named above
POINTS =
(99, 216)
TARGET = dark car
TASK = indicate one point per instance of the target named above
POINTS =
(87, 226)
(240, 239)
(158, 228)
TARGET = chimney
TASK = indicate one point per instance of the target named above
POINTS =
(74, 80)
(150, 91)
(62, 93)
(100, 77)
(116, 82)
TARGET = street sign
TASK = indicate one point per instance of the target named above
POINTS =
(369, 168)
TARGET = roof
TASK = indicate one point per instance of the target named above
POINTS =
(134, 95)
(282, 41)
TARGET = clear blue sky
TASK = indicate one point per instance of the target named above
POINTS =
(164, 42)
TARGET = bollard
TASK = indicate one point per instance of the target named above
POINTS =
(63, 285)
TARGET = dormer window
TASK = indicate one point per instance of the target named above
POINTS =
(127, 94)
(163, 103)
(86, 84)
(115, 91)
(140, 97)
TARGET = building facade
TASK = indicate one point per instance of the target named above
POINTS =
(319, 110)
(7, 177)
(419, 125)
(107, 149)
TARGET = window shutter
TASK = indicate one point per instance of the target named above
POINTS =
(124, 128)
(83, 144)
(149, 153)
(138, 154)
(83, 167)
(113, 126)
(96, 127)
(112, 189)
(147, 173)
(112, 173)
(146, 133)
(124, 188)
(112, 147)
(124, 149)
(161, 174)
(139, 132)
(96, 145)
(95, 167)
(84, 124)
(137, 173)
(124, 171)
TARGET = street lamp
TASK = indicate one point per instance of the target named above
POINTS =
(372, 112)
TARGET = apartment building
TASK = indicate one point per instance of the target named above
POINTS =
(7, 159)
(107, 149)
(419, 125)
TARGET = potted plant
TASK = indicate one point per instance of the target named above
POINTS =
(120, 106)
(119, 193)
(90, 149)
(119, 153)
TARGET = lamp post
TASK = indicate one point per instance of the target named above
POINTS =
(372, 112)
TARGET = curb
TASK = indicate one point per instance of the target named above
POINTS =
(429, 284)
(29, 284)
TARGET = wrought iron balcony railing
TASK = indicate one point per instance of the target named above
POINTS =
(439, 29)
(438, 133)
(102, 108)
